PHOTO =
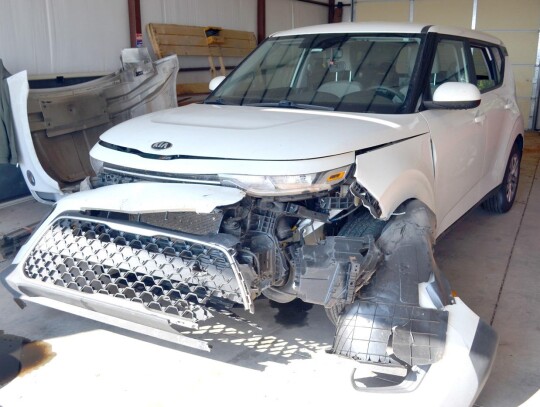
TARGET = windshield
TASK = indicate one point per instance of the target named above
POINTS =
(343, 72)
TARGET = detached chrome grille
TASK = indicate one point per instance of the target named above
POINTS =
(172, 275)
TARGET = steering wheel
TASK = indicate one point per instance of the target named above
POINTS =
(387, 92)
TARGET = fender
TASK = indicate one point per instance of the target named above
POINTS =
(393, 181)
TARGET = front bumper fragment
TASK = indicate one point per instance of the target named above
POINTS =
(406, 319)
(130, 274)
(456, 379)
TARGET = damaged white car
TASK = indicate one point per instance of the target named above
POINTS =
(323, 168)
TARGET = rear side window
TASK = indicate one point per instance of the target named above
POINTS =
(487, 67)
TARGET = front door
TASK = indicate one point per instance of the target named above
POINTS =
(458, 137)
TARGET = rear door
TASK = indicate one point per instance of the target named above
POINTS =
(498, 105)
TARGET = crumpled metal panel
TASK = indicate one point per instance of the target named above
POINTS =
(167, 275)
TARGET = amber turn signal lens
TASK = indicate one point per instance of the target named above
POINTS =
(335, 177)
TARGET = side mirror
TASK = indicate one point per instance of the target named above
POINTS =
(455, 95)
(214, 83)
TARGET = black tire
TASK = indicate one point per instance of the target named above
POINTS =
(361, 225)
(503, 199)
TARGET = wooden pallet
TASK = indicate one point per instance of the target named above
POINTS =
(212, 44)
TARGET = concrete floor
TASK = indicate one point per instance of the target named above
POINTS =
(492, 262)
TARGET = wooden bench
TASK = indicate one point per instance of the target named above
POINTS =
(212, 43)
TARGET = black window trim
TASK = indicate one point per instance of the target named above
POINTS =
(433, 40)
(490, 47)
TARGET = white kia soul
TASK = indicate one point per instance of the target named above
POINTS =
(322, 169)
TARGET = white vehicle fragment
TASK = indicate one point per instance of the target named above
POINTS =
(57, 126)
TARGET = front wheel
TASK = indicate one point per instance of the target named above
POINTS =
(504, 197)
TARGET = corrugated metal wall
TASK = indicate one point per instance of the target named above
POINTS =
(56, 37)
(284, 14)
(80, 36)
(62, 36)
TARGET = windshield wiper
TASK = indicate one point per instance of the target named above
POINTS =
(289, 104)
(217, 101)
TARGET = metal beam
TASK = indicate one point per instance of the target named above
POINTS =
(318, 3)
(135, 27)
(331, 8)
(261, 20)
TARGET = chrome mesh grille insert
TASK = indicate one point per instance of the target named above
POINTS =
(187, 222)
(164, 274)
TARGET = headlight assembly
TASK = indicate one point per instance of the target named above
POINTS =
(276, 185)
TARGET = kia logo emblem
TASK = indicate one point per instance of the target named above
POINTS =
(161, 145)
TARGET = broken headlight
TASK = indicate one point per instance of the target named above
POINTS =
(275, 185)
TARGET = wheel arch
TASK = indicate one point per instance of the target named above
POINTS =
(396, 174)
(520, 141)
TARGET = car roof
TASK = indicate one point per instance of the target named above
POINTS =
(373, 27)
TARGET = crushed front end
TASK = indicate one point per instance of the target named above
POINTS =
(160, 257)
(119, 255)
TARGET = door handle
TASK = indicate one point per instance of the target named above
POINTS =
(480, 118)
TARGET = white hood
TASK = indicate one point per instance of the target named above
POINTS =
(260, 133)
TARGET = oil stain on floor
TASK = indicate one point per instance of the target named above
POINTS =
(19, 356)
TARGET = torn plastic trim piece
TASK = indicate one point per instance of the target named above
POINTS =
(401, 288)
(375, 332)
(107, 311)
(389, 307)
(368, 201)
(455, 380)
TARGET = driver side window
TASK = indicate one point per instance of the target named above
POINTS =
(449, 65)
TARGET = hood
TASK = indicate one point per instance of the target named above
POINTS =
(260, 133)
